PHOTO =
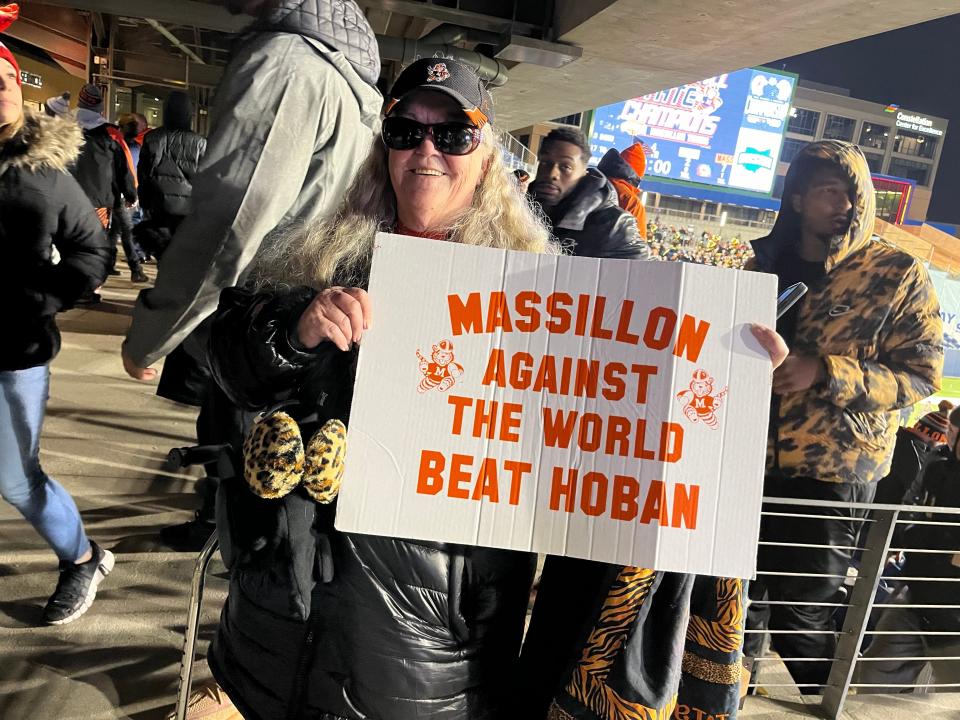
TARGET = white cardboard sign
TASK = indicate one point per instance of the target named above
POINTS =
(605, 409)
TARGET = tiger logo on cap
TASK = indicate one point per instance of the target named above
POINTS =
(438, 73)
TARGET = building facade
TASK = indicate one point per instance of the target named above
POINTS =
(902, 146)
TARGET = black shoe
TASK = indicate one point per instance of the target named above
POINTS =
(77, 587)
(89, 300)
(189, 536)
(113, 271)
(138, 276)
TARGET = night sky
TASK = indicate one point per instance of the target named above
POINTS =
(916, 67)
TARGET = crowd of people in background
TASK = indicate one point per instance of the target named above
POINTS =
(263, 234)
(683, 244)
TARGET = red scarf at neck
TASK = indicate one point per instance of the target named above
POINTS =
(402, 229)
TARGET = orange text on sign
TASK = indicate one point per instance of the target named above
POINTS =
(464, 478)
(491, 419)
(564, 375)
(622, 497)
(583, 316)
(612, 435)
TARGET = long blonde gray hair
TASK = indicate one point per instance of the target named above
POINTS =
(338, 249)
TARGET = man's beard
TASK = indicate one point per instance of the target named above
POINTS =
(544, 199)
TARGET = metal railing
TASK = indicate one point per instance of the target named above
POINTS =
(516, 154)
(876, 547)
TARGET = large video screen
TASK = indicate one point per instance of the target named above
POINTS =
(723, 131)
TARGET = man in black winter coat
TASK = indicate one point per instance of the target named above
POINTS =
(105, 170)
(581, 204)
(168, 163)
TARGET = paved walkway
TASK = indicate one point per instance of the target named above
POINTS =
(105, 439)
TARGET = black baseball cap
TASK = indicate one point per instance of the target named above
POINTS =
(447, 76)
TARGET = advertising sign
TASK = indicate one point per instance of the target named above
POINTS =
(919, 123)
(948, 293)
(613, 410)
(723, 131)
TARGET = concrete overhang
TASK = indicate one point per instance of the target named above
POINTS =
(633, 47)
(629, 47)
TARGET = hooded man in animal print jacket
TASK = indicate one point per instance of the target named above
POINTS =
(866, 341)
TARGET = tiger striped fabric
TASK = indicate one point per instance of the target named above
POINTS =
(617, 617)
(725, 633)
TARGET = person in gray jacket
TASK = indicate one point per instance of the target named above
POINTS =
(293, 118)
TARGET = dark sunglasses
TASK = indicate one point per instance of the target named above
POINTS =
(450, 138)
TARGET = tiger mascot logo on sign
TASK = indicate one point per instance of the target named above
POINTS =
(700, 403)
(439, 370)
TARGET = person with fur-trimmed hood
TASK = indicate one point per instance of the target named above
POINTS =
(41, 208)
(866, 341)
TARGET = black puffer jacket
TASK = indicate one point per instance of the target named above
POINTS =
(909, 455)
(42, 207)
(168, 161)
(591, 221)
(320, 624)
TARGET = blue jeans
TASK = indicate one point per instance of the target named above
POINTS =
(23, 483)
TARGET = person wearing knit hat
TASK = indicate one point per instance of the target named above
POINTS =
(922, 620)
(933, 427)
(90, 98)
(57, 106)
(914, 445)
(636, 157)
(106, 173)
(9, 13)
(11, 98)
(624, 170)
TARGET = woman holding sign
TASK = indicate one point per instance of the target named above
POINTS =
(318, 622)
